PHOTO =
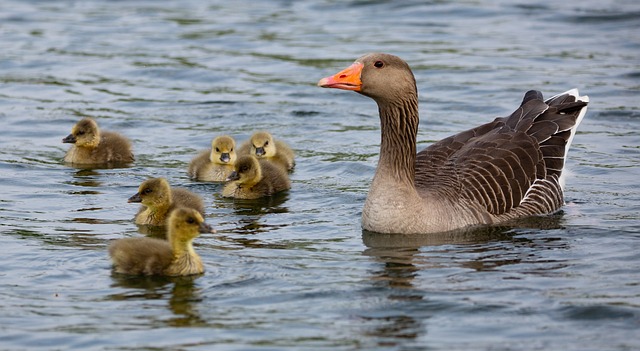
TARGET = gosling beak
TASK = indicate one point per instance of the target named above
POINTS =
(205, 228)
(347, 79)
(224, 157)
(70, 139)
(233, 176)
(260, 151)
(135, 198)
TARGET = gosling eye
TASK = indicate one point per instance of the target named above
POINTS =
(217, 150)
(147, 191)
(81, 132)
(231, 150)
(243, 168)
(191, 220)
(266, 143)
(378, 64)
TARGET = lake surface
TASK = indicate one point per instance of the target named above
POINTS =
(296, 272)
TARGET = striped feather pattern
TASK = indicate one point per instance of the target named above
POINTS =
(510, 167)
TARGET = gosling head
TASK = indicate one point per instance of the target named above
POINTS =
(155, 192)
(223, 150)
(186, 223)
(262, 145)
(246, 170)
(84, 134)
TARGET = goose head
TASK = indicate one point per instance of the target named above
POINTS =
(383, 77)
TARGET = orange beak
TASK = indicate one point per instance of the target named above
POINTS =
(347, 79)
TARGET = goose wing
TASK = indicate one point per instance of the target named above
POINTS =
(511, 163)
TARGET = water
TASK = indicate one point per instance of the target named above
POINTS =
(296, 272)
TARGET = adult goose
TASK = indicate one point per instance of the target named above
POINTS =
(499, 171)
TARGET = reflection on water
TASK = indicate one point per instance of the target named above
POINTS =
(396, 273)
(259, 207)
(182, 295)
(185, 297)
(405, 264)
(392, 330)
(145, 287)
(91, 167)
(85, 178)
(86, 174)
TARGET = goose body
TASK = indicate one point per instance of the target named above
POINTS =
(91, 146)
(506, 169)
(158, 199)
(263, 145)
(215, 164)
(172, 257)
(255, 178)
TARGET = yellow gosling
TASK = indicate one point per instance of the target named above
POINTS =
(215, 164)
(91, 146)
(263, 145)
(255, 178)
(175, 257)
(158, 199)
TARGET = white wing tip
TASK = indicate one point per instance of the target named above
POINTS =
(565, 172)
(574, 92)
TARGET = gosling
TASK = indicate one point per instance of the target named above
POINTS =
(215, 164)
(262, 145)
(158, 199)
(255, 178)
(175, 257)
(91, 146)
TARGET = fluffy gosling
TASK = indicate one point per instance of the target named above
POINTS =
(91, 146)
(263, 145)
(175, 257)
(215, 164)
(158, 199)
(255, 178)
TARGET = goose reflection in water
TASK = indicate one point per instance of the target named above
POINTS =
(403, 263)
(184, 295)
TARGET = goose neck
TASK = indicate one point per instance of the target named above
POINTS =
(399, 128)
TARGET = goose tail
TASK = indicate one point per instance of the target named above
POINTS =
(569, 96)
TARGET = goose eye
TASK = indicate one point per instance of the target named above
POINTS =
(81, 132)
(231, 150)
(217, 150)
(147, 191)
(378, 64)
(190, 220)
(266, 143)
